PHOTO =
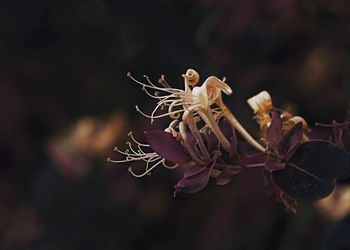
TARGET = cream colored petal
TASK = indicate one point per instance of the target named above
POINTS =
(261, 102)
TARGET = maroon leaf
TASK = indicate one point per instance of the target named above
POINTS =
(249, 154)
(164, 144)
(290, 141)
(226, 175)
(311, 172)
(194, 180)
(272, 165)
(273, 133)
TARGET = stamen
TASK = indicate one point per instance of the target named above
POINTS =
(162, 81)
(130, 134)
(152, 117)
(148, 171)
(169, 167)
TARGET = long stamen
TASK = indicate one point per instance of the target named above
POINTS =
(130, 134)
(148, 171)
(169, 90)
(157, 116)
(169, 167)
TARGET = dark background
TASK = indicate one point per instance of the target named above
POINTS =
(65, 101)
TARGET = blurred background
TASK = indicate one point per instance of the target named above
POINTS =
(65, 102)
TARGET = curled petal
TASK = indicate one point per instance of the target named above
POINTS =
(191, 77)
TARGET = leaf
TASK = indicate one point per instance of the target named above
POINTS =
(290, 141)
(273, 165)
(226, 175)
(164, 144)
(194, 180)
(249, 154)
(273, 133)
(311, 172)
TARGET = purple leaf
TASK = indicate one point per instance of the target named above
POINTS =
(164, 144)
(311, 171)
(272, 165)
(226, 175)
(273, 133)
(290, 141)
(249, 154)
(229, 132)
(194, 180)
(226, 128)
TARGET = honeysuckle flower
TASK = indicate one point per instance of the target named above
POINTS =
(203, 97)
(201, 141)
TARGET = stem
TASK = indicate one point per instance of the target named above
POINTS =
(235, 123)
(257, 165)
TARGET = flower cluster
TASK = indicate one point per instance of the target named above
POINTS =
(201, 139)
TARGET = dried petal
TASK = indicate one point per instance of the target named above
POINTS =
(261, 102)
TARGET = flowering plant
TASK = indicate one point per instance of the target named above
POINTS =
(202, 139)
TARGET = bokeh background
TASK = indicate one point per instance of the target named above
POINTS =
(65, 102)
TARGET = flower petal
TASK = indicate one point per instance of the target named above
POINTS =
(164, 144)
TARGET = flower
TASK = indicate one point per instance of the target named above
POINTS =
(201, 141)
